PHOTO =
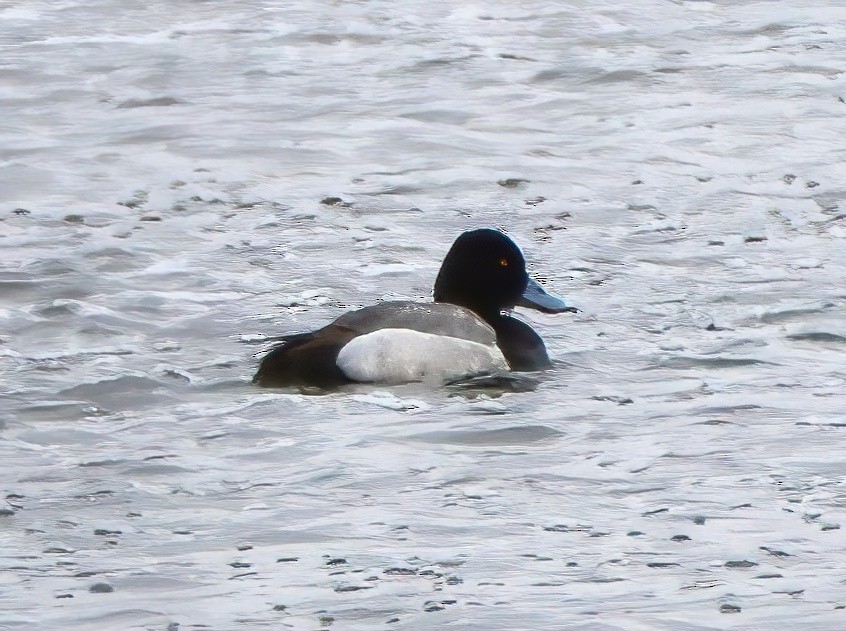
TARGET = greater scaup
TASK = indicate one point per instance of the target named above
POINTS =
(463, 333)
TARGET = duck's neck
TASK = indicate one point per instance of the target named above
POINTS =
(523, 348)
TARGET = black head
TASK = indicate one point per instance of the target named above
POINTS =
(486, 272)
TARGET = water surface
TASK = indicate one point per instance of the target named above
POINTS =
(180, 180)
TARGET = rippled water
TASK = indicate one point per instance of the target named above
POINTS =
(179, 180)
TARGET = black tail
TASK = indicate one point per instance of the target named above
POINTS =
(275, 362)
(306, 359)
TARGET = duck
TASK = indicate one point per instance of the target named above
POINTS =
(467, 331)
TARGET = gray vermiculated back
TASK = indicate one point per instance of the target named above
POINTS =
(434, 317)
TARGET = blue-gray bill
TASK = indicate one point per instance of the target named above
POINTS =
(536, 298)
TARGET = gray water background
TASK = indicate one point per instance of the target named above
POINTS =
(162, 166)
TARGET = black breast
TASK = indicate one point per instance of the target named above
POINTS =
(524, 349)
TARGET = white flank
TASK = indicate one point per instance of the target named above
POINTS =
(402, 355)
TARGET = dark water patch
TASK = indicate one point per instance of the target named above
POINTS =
(214, 436)
(91, 497)
(552, 74)
(112, 253)
(772, 29)
(50, 366)
(566, 528)
(683, 363)
(715, 452)
(138, 199)
(12, 279)
(101, 463)
(740, 564)
(162, 101)
(400, 571)
(391, 190)
(512, 182)
(128, 392)
(662, 564)
(112, 259)
(817, 336)
(515, 57)
(335, 201)
(520, 435)
(618, 76)
(613, 399)
(47, 363)
(58, 550)
(352, 588)
(52, 411)
(153, 581)
(332, 39)
(714, 421)
(437, 605)
(126, 619)
(774, 317)
(776, 553)
(536, 557)
(825, 71)
(594, 75)
(159, 457)
(729, 409)
(20, 289)
(58, 308)
(494, 385)
(438, 62)
(732, 346)
(52, 267)
(100, 331)
(156, 470)
(63, 436)
(702, 584)
(448, 117)
(765, 281)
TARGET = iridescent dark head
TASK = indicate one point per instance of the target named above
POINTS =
(485, 272)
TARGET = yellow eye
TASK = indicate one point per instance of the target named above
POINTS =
(503, 262)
